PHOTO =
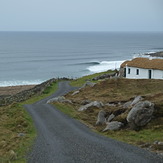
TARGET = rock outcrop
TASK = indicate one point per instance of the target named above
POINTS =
(136, 100)
(114, 125)
(157, 54)
(88, 83)
(101, 118)
(111, 117)
(60, 99)
(76, 92)
(130, 104)
(92, 104)
(140, 114)
(127, 105)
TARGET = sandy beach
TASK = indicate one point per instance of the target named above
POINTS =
(11, 90)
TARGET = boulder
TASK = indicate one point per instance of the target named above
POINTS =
(140, 114)
(111, 117)
(56, 99)
(115, 125)
(61, 99)
(101, 118)
(136, 100)
(127, 105)
(132, 103)
(88, 83)
(92, 104)
(76, 92)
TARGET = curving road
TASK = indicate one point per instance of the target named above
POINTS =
(62, 139)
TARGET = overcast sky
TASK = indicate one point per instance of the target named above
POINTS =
(81, 15)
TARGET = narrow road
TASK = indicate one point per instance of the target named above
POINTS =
(62, 139)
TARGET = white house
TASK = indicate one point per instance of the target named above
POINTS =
(142, 68)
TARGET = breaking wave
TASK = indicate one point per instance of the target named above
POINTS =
(104, 66)
(88, 63)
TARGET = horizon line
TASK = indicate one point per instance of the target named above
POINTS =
(81, 31)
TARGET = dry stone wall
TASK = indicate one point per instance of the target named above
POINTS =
(24, 95)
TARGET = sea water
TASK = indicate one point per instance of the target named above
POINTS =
(33, 57)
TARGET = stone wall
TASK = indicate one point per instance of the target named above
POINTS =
(24, 95)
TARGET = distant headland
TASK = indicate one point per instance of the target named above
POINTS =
(156, 54)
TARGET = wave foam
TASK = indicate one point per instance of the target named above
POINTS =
(19, 82)
(104, 66)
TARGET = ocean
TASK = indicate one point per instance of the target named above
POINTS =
(33, 57)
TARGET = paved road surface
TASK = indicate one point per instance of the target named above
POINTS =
(62, 139)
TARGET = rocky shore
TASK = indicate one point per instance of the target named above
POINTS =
(157, 54)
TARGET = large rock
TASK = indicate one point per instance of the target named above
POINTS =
(140, 114)
(92, 104)
(88, 83)
(76, 92)
(114, 125)
(127, 105)
(60, 99)
(101, 118)
(130, 104)
(111, 117)
(136, 100)
(56, 99)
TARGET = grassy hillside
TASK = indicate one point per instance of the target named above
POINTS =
(80, 81)
(117, 90)
(17, 131)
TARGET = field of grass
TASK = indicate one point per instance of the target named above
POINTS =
(120, 90)
(17, 130)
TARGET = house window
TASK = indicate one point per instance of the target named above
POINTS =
(137, 71)
(129, 70)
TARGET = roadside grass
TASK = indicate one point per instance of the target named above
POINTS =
(117, 90)
(152, 132)
(80, 81)
(17, 131)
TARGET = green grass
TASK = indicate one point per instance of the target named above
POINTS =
(67, 109)
(80, 81)
(47, 92)
(136, 137)
(14, 119)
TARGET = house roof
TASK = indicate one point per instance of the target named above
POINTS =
(145, 63)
